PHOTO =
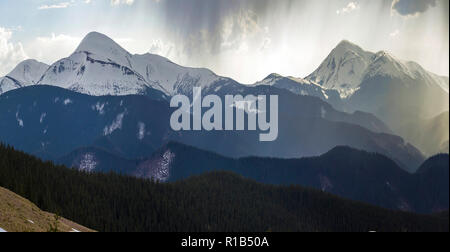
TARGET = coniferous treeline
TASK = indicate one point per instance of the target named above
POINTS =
(211, 202)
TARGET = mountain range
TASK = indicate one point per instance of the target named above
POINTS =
(350, 79)
(51, 122)
(400, 93)
(101, 67)
(360, 127)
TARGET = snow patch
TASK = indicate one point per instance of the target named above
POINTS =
(403, 205)
(67, 102)
(325, 94)
(99, 108)
(43, 115)
(141, 130)
(323, 112)
(325, 183)
(19, 121)
(162, 173)
(88, 162)
(247, 106)
(2, 230)
(117, 124)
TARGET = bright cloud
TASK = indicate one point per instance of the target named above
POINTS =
(55, 6)
(10, 53)
(162, 48)
(352, 6)
(394, 33)
(51, 48)
(119, 2)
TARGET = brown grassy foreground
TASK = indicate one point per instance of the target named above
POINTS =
(20, 215)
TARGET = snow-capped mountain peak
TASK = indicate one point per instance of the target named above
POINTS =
(378, 82)
(343, 69)
(103, 46)
(28, 72)
(100, 66)
(172, 77)
(348, 65)
(345, 46)
(273, 76)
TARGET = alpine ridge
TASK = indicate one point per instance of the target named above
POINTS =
(99, 66)
(26, 73)
(401, 93)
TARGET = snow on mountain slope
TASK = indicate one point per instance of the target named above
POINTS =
(394, 90)
(99, 66)
(384, 64)
(442, 81)
(26, 73)
(103, 46)
(171, 77)
(348, 65)
(295, 85)
(343, 70)
(303, 87)
(90, 74)
(273, 78)
(7, 84)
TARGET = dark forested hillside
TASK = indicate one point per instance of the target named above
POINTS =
(210, 202)
(432, 183)
(343, 171)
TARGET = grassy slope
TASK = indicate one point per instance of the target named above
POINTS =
(20, 215)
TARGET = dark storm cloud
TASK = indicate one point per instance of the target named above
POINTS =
(214, 25)
(412, 7)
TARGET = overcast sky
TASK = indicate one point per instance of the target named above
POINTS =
(243, 39)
